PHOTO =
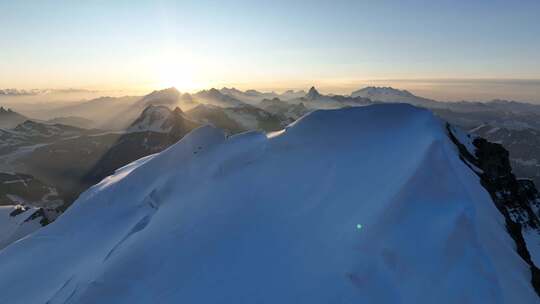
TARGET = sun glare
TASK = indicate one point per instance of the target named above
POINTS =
(179, 71)
(183, 81)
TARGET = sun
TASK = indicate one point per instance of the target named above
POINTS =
(183, 81)
(179, 71)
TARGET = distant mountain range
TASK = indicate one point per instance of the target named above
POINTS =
(141, 125)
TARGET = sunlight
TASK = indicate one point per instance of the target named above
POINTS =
(179, 70)
(181, 80)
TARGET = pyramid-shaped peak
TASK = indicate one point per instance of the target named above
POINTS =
(312, 93)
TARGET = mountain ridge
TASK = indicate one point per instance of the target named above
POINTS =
(290, 238)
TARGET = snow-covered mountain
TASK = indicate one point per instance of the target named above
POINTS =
(382, 93)
(388, 94)
(341, 206)
(161, 119)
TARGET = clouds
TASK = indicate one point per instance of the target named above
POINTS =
(35, 92)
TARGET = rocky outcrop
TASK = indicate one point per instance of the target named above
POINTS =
(515, 199)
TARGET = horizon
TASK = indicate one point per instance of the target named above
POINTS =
(444, 90)
(462, 50)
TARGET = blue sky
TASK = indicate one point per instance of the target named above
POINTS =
(194, 44)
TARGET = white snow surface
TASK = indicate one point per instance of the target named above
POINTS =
(152, 119)
(273, 219)
(15, 227)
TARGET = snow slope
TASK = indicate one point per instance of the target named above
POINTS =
(357, 205)
(16, 222)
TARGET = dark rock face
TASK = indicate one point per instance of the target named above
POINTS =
(43, 216)
(513, 198)
(523, 145)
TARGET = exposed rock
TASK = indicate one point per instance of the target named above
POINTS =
(514, 198)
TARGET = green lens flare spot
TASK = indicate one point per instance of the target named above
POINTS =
(358, 226)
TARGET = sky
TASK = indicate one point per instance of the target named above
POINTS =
(446, 49)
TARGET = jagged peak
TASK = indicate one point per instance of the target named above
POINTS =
(159, 118)
(312, 93)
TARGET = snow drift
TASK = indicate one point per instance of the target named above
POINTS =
(357, 205)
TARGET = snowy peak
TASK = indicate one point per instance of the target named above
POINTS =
(389, 94)
(160, 119)
(381, 93)
(151, 119)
